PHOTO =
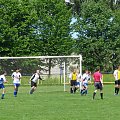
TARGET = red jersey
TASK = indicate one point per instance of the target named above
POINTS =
(97, 77)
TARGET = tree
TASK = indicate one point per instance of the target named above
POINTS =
(99, 30)
(53, 28)
(35, 27)
(17, 28)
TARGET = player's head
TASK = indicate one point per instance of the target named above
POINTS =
(17, 70)
(38, 71)
(115, 67)
(74, 71)
(97, 69)
(119, 67)
(86, 71)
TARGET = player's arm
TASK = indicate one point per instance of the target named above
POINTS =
(40, 77)
(4, 79)
(33, 76)
(12, 76)
(20, 76)
(93, 79)
(89, 79)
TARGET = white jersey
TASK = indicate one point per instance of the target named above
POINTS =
(35, 77)
(2, 79)
(86, 77)
(16, 77)
(115, 74)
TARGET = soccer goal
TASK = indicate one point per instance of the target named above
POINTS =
(54, 69)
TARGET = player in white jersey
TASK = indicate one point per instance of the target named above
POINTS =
(86, 77)
(16, 80)
(2, 81)
(34, 79)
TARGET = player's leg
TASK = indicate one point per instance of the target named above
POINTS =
(33, 87)
(86, 88)
(81, 87)
(16, 89)
(32, 90)
(83, 91)
(3, 93)
(95, 91)
(116, 87)
(77, 86)
(74, 86)
(101, 94)
(101, 90)
(71, 86)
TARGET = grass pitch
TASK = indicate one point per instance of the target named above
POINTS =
(51, 103)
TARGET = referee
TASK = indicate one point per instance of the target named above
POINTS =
(98, 83)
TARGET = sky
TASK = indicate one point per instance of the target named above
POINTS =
(74, 34)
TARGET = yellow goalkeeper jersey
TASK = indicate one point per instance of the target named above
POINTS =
(118, 74)
(74, 76)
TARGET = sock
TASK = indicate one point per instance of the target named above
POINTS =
(31, 91)
(115, 90)
(94, 95)
(3, 96)
(86, 91)
(15, 93)
(71, 91)
(101, 94)
(75, 89)
(81, 91)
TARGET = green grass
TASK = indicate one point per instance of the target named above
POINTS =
(51, 103)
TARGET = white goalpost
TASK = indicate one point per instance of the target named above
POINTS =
(78, 57)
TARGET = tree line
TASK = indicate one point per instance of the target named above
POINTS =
(45, 27)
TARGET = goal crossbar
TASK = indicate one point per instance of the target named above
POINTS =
(26, 57)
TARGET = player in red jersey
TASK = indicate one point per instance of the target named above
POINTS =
(98, 83)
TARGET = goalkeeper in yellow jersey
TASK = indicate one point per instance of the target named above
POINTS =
(73, 80)
(117, 80)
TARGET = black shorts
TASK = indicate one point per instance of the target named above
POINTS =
(117, 82)
(33, 84)
(73, 83)
(98, 85)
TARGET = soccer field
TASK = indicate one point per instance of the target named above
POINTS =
(51, 103)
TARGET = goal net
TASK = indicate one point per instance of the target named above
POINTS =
(54, 69)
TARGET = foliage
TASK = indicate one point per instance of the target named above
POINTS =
(43, 27)
(99, 31)
(17, 19)
(34, 28)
